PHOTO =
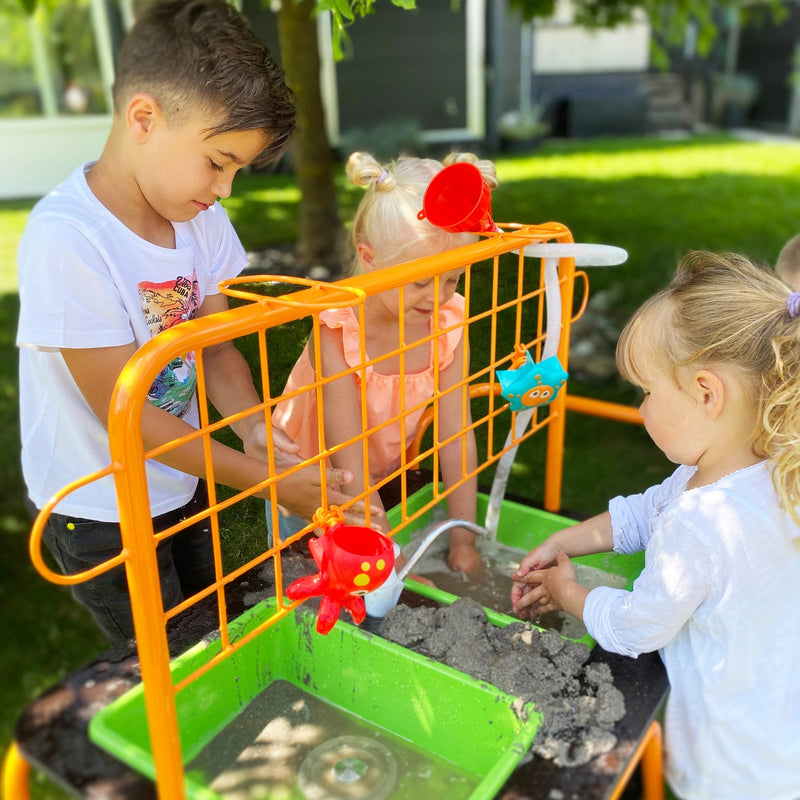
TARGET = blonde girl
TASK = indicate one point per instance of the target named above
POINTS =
(717, 355)
(386, 232)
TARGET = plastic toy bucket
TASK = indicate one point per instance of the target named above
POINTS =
(353, 557)
(458, 200)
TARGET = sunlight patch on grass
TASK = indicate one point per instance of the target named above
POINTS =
(678, 161)
(244, 193)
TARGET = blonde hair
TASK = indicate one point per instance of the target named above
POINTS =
(787, 267)
(723, 309)
(387, 220)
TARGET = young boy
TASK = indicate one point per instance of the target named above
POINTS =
(130, 245)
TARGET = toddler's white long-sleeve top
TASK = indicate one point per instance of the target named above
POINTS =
(719, 596)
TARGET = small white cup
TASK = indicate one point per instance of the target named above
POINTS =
(380, 601)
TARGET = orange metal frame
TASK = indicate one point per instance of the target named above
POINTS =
(512, 322)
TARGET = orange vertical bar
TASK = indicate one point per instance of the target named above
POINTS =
(648, 753)
(16, 771)
(145, 590)
(653, 765)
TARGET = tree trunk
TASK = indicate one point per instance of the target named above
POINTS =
(321, 234)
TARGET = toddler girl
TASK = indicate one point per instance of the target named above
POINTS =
(386, 231)
(717, 355)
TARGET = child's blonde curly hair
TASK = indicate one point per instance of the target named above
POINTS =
(724, 309)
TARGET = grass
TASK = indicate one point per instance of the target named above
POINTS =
(655, 198)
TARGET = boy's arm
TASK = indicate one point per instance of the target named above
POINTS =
(229, 385)
(95, 371)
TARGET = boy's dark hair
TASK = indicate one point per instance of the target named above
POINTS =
(203, 55)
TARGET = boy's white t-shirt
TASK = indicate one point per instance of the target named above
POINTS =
(86, 281)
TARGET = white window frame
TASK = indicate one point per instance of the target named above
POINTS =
(475, 72)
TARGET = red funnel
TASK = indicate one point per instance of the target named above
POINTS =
(458, 200)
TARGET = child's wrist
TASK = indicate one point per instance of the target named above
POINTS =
(461, 538)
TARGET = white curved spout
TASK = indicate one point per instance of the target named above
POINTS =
(385, 597)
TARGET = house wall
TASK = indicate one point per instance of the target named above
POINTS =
(591, 82)
(563, 48)
(43, 151)
(772, 104)
(446, 76)
(421, 69)
(54, 54)
(408, 65)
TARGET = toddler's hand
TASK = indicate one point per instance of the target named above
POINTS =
(539, 591)
(286, 451)
(540, 557)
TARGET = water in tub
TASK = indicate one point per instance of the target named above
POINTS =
(289, 745)
(493, 590)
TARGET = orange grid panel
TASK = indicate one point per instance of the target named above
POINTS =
(511, 322)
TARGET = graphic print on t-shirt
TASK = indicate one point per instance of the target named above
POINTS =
(164, 305)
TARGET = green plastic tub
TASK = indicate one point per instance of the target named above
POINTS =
(520, 529)
(449, 735)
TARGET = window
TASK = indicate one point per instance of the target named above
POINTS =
(59, 59)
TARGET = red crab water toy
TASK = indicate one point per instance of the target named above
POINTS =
(352, 561)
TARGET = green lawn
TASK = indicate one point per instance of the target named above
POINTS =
(655, 198)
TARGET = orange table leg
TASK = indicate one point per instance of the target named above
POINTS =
(653, 765)
(15, 775)
(649, 753)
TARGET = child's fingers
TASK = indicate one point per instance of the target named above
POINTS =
(532, 594)
(283, 442)
(518, 589)
(527, 607)
(338, 476)
(565, 566)
(530, 597)
(356, 514)
(525, 566)
(526, 579)
(535, 560)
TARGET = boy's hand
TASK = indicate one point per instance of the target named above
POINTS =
(301, 494)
